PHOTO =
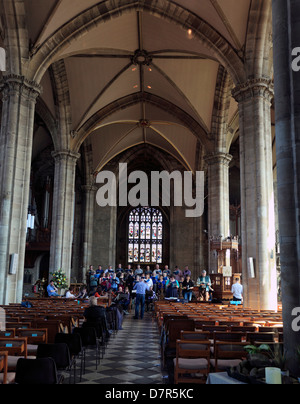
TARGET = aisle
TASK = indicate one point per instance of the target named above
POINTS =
(132, 356)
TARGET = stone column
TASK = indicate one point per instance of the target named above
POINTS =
(90, 198)
(218, 200)
(257, 193)
(286, 37)
(63, 211)
(19, 98)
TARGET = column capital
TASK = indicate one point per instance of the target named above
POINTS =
(66, 155)
(258, 87)
(15, 84)
(218, 158)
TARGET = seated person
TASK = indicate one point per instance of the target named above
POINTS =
(70, 293)
(95, 315)
(52, 289)
(123, 298)
(82, 293)
(99, 292)
(187, 287)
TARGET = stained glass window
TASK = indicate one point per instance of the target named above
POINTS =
(145, 236)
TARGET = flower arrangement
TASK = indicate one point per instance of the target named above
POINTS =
(60, 279)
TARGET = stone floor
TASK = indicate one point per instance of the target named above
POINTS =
(132, 356)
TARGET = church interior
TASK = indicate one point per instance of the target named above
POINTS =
(161, 86)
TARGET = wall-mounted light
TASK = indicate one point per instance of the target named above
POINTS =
(30, 221)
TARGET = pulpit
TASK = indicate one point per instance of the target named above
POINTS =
(222, 285)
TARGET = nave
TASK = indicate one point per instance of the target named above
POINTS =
(139, 352)
(132, 356)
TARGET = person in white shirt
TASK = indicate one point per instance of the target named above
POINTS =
(69, 294)
(237, 290)
(149, 281)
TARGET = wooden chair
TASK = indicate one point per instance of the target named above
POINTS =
(262, 337)
(194, 335)
(53, 327)
(212, 328)
(243, 329)
(192, 359)
(20, 325)
(14, 346)
(174, 330)
(10, 332)
(3, 367)
(228, 354)
(172, 335)
(200, 323)
(230, 336)
(35, 336)
(271, 329)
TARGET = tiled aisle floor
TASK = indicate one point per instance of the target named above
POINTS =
(132, 356)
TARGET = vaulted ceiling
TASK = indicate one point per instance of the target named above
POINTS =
(138, 78)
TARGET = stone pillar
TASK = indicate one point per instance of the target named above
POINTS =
(19, 98)
(90, 198)
(218, 200)
(257, 193)
(286, 37)
(63, 211)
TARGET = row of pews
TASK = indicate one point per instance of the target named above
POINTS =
(198, 339)
(28, 327)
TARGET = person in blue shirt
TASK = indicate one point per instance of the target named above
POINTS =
(140, 288)
(114, 282)
(51, 289)
(161, 286)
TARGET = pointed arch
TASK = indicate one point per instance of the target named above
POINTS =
(219, 47)
(136, 98)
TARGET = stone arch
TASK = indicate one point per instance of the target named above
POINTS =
(44, 113)
(133, 99)
(221, 108)
(259, 39)
(44, 55)
(62, 104)
(16, 37)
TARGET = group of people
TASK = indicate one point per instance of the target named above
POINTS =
(145, 286)
(164, 283)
